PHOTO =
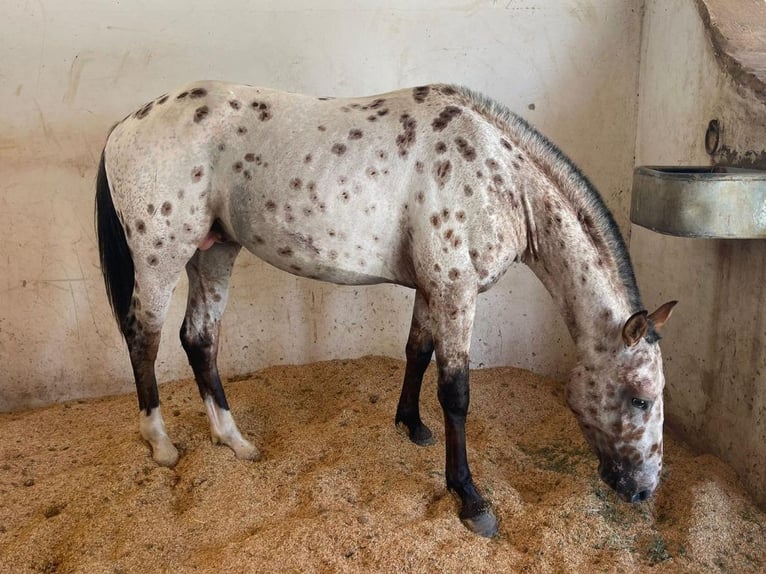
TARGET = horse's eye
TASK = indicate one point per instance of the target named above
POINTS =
(640, 403)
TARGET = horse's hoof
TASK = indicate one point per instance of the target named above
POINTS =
(420, 434)
(484, 524)
(243, 448)
(247, 452)
(165, 454)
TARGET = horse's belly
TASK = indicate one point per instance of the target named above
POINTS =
(335, 266)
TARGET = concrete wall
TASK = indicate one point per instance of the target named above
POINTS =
(71, 69)
(713, 348)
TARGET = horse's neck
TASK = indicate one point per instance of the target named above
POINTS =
(577, 267)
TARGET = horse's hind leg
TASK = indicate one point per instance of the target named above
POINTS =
(209, 273)
(142, 329)
(420, 347)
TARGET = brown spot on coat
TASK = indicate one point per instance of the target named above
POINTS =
(445, 117)
(453, 274)
(182, 95)
(250, 157)
(338, 149)
(167, 208)
(270, 206)
(144, 111)
(237, 166)
(376, 103)
(441, 147)
(467, 151)
(420, 93)
(296, 183)
(436, 220)
(467, 190)
(140, 226)
(235, 104)
(201, 113)
(163, 99)
(150, 209)
(355, 134)
(241, 130)
(442, 172)
(285, 251)
(406, 139)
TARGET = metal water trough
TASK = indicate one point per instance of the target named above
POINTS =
(705, 201)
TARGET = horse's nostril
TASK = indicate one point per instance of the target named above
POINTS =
(640, 496)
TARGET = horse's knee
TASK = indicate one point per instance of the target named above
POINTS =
(199, 345)
(453, 391)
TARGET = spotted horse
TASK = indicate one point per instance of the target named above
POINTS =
(436, 188)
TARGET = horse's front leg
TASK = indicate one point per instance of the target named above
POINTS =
(452, 319)
(420, 348)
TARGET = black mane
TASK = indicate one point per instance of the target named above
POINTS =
(568, 171)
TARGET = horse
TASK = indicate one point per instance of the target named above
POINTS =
(436, 188)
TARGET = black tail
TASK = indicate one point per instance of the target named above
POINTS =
(116, 260)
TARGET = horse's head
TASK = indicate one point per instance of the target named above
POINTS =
(616, 394)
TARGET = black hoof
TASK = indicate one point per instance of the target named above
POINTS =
(484, 524)
(419, 433)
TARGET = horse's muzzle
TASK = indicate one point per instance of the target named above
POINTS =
(622, 481)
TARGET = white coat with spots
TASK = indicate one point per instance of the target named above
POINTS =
(435, 188)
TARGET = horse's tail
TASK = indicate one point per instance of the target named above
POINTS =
(116, 260)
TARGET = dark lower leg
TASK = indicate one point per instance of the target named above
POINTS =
(408, 410)
(475, 511)
(419, 351)
(143, 346)
(202, 350)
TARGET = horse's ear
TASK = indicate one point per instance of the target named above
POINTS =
(661, 315)
(635, 328)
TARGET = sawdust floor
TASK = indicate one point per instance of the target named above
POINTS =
(340, 490)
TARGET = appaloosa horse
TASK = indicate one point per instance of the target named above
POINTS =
(436, 188)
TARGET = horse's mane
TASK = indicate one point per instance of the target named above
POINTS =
(573, 184)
